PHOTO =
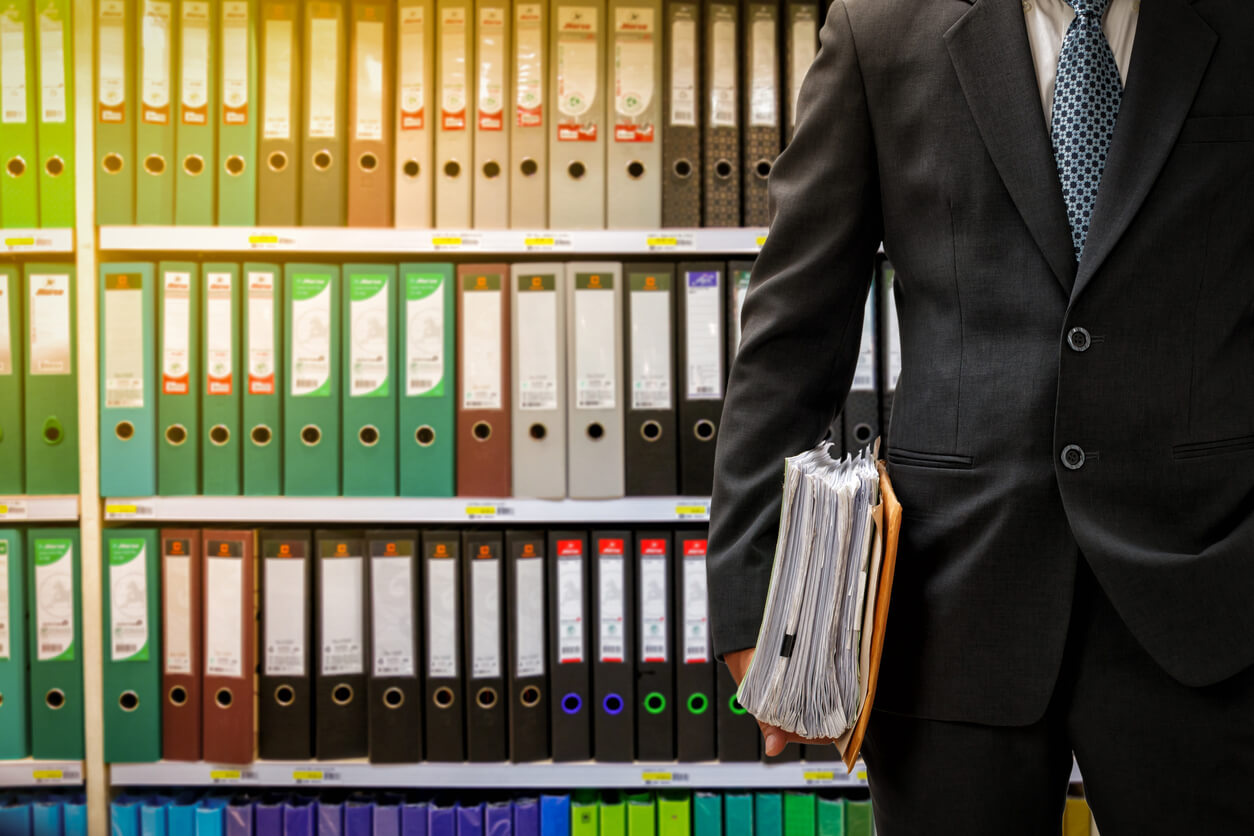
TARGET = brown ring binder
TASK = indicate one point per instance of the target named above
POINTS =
(723, 169)
(683, 168)
(178, 696)
(176, 435)
(124, 430)
(482, 430)
(194, 165)
(112, 163)
(223, 698)
(368, 162)
(219, 435)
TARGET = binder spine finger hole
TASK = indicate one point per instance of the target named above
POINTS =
(124, 430)
(762, 169)
(683, 169)
(424, 436)
(530, 696)
(52, 434)
(723, 169)
(576, 170)
(154, 164)
(613, 704)
(368, 162)
(128, 701)
(538, 431)
(55, 699)
(486, 698)
(1, 700)
(651, 430)
(176, 435)
(54, 166)
(393, 698)
(491, 170)
(704, 430)
(635, 169)
(443, 697)
(698, 703)
(655, 703)
(310, 435)
(178, 696)
(15, 167)
(261, 435)
(368, 436)
(277, 161)
(452, 168)
(862, 433)
(194, 164)
(482, 430)
(529, 167)
(322, 160)
(220, 435)
(342, 694)
(235, 165)
(223, 698)
(572, 703)
(112, 163)
(411, 169)
(596, 431)
(736, 707)
(285, 695)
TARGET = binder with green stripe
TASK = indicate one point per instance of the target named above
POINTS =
(799, 814)
(831, 816)
(768, 818)
(56, 642)
(14, 684)
(427, 384)
(641, 815)
(370, 380)
(57, 163)
(19, 183)
(12, 441)
(132, 646)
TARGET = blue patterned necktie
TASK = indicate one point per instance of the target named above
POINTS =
(1086, 104)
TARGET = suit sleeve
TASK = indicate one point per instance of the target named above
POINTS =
(802, 326)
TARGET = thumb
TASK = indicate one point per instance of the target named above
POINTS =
(773, 739)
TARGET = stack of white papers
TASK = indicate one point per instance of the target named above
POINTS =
(808, 675)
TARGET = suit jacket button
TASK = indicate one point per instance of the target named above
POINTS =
(1079, 339)
(1072, 457)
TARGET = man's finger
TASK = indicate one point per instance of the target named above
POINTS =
(775, 739)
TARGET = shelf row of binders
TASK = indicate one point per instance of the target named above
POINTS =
(60, 813)
(445, 113)
(588, 380)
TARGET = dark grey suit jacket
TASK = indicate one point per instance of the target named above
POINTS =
(921, 125)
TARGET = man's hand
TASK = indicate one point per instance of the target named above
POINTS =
(774, 739)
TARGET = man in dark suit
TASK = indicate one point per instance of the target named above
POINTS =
(1071, 219)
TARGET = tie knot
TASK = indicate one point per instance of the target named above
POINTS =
(1089, 8)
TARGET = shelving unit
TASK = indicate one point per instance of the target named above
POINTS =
(36, 241)
(254, 509)
(39, 508)
(343, 240)
(32, 773)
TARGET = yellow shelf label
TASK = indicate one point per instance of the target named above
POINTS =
(480, 510)
(860, 774)
(307, 775)
(819, 776)
(120, 509)
(656, 776)
(263, 239)
(691, 510)
(19, 242)
(659, 241)
(446, 242)
(538, 242)
(47, 774)
(761, 239)
(224, 775)
(4, 509)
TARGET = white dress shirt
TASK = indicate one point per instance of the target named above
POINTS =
(1047, 22)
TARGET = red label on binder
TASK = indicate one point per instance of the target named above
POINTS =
(652, 547)
(695, 548)
(453, 120)
(569, 548)
(609, 547)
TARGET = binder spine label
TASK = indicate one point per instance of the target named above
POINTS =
(705, 336)
(684, 66)
(696, 604)
(441, 615)
(285, 619)
(485, 635)
(492, 36)
(219, 335)
(650, 341)
(50, 324)
(577, 72)
(537, 342)
(369, 116)
(176, 596)
(723, 93)
(54, 600)
(452, 53)
(804, 38)
(224, 609)
(368, 321)
(128, 598)
(176, 334)
(260, 352)
(481, 342)
(6, 337)
(653, 595)
(529, 66)
(413, 59)
(424, 343)
(195, 55)
(529, 613)
(610, 561)
(13, 79)
(235, 63)
(392, 609)
(763, 109)
(634, 43)
(124, 341)
(155, 64)
(277, 80)
(112, 60)
(5, 615)
(596, 369)
(324, 54)
(864, 372)
(570, 601)
(343, 623)
(52, 67)
(311, 342)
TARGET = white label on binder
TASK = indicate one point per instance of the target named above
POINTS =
(277, 80)
(369, 79)
(176, 591)
(13, 69)
(481, 349)
(343, 622)
(705, 336)
(804, 38)
(529, 616)
(596, 367)
(392, 609)
(577, 72)
(235, 63)
(864, 373)
(49, 324)
(369, 338)
(696, 640)
(112, 59)
(723, 65)
(684, 72)
(491, 46)
(52, 67)
(155, 68)
(537, 347)
(424, 340)
(324, 63)
(412, 66)
(650, 349)
(4, 601)
(442, 625)
(260, 354)
(485, 626)
(124, 342)
(611, 594)
(6, 338)
(128, 599)
(452, 54)
(653, 595)
(219, 335)
(311, 336)
(54, 600)
(284, 629)
(762, 82)
(529, 65)
(634, 43)
(224, 582)
(195, 67)
(570, 601)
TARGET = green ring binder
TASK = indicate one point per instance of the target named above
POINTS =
(654, 703)
(699, 703)
(736, 707)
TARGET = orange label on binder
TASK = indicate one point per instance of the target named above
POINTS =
(631, 132)
(413, 120)
(577, 133)
(453, 120)
(235, 115)
(530, 117)
(196, 115)
(156, 114)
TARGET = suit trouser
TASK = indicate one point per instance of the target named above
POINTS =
(1157, 757)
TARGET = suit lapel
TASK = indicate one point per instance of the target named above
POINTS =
(990, 53)
(1169, 56)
